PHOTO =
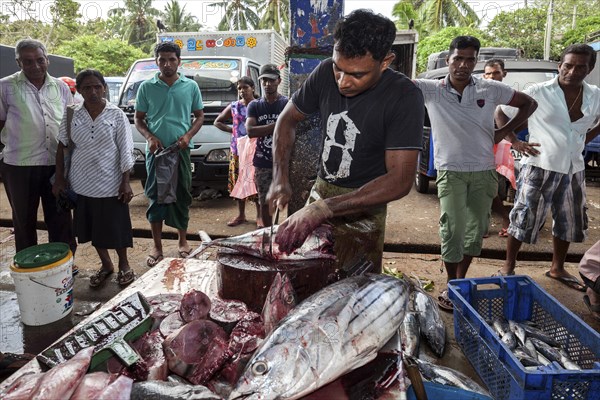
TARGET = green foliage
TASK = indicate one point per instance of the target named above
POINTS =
(523, 28)
(176, 19)
(239, 14)
(584, 27)
(111, 57)
(275, 15)
(440, 41)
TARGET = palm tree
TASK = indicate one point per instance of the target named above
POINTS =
(431, 16)
(177, 19)
(239, 14)
(442, 13)
(138, 25)
(276, 16)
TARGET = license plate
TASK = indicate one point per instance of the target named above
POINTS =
(193, 167)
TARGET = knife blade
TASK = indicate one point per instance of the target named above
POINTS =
(275, 220)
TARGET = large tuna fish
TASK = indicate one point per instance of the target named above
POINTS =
(336, 330)
(318, 245)
(281, 299)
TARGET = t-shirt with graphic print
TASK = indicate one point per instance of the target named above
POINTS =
(357, 131)
(265, 114)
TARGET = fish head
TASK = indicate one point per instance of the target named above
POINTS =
(280, 371)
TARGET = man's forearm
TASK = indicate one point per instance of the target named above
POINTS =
(142, 127)
(284, 137)
(261, 131)
(195, 128)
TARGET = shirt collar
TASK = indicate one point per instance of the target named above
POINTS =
(21, 78)
(446, 82)
(156, 80)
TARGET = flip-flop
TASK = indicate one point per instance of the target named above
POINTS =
(569, 281)
(151, 261)
(99, 276)
(594, 308)
(503, 232)
(236, 221)
(500, 273)
(444, 302)
(184, 254)
(125, 278)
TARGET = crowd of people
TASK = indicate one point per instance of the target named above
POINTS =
(372, 123)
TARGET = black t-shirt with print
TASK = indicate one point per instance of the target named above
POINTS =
(358, 130)
(265, 114)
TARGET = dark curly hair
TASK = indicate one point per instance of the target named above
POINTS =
(464, 42)
(167, 47)
(579, 48)
(363, 31)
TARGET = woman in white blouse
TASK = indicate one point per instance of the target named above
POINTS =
(101, 148)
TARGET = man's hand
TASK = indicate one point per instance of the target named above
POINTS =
(292, 233)
(184, 141)
(279, 196)
(526, 148)
(154, 144)
(59, 186)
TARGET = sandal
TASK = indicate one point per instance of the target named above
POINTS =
(594, 308)
(500, 273)
(503, 232)
(444, 302)
(184, 253)
(125, 278)
(151, 261)
(236, 221)
(99, 276)
(568, 280)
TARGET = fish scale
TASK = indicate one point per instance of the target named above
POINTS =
(334, 331)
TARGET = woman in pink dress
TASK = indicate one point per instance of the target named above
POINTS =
(236, 113)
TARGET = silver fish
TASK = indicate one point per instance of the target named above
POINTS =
(410, 332)
(447, 376)
(510, 340)
(318, 245)
(431, 324)
(334, 331)
(518, 330)
(281, 299)
(500, 325)
(534, 332)
(530, 349)
(525, 359)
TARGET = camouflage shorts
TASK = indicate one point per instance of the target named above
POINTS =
(263, 178)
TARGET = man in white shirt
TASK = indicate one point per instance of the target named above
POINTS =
(567, 118)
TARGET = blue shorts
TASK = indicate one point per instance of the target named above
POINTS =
(537, 191)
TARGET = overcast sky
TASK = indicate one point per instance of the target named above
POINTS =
(210, 16)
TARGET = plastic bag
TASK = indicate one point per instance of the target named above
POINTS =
(245, 185)
(505, 163)
(166, 162)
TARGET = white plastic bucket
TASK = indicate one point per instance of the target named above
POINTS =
(45, 293)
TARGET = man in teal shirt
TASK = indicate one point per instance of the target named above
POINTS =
(162, 115)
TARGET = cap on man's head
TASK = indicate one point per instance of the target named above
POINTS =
(269, 71)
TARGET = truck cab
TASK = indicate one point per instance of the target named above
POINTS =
(216, 77)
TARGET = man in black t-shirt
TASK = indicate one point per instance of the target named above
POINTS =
(372, 123)
(260, 122)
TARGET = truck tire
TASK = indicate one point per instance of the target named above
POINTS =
(421, 182)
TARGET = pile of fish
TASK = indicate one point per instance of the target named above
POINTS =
(69, 381)
(260, 244)
(336, 330)
(424, 319)
(531, 346)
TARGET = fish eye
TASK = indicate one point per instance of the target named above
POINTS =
(289, 299)
(260, 368)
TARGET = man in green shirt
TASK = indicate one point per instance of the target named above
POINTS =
(163, 107)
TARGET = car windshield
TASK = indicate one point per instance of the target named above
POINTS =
(215, 77)
(113, 91)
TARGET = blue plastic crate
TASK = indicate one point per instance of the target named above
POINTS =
(519, 298)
